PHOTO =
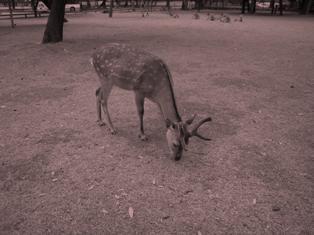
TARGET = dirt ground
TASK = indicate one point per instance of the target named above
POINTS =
(60, 173)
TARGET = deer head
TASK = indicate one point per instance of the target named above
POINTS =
(178, 135)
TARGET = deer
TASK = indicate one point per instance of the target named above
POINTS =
(130, 68)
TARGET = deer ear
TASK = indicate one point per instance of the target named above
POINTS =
(168, 123)
(189, 121)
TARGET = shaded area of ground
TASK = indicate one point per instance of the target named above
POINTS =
(61, 173)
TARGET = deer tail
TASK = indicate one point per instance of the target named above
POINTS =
(91, 61)
(97, 91)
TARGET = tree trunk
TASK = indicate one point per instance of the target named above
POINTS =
(11, 14)
(34, 4)
(244, 2)
(54, 27)
(47, 3)
(103, 4)
(88, 4)
(13, 4)
(306, 6)
(198, 5)
(110, 8)
(253, 7)
(184, 5)
(280, 7)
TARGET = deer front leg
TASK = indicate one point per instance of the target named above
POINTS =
(139, 100)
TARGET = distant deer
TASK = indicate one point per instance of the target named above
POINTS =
(196, 16)
(149, 77)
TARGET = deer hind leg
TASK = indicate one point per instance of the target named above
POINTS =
(139, 100)
(98, 106)
(102, 100)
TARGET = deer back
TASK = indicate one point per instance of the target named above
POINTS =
(130, 68)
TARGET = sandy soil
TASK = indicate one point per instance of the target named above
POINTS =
(62, 174)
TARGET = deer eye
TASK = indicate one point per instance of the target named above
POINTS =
(175, 145)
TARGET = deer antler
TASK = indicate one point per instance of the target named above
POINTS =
(189, 121)
(195, 129)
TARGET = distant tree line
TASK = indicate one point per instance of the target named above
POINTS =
(54, 26)
(303, 5)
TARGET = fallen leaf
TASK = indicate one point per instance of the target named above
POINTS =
(275, 208)
(54, 180)
(124, 194)
(91, 187)
(131, 212)
(104, 211)
(154, 181)
(254, 201)
(188, 191)
(199, 233)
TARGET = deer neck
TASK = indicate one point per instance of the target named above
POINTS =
(169, 112)
(168, 106)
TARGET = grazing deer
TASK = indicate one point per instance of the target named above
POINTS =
(149, 77)
(225, 19)
(196, 16)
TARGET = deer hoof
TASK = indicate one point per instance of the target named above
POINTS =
(100, 123)
(113, 131)
(142, 137)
